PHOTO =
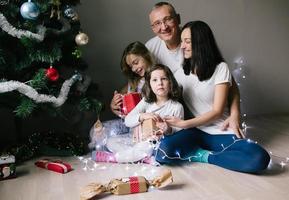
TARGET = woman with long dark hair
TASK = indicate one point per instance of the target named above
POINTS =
(205, 79)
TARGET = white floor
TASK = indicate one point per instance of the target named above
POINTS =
(191, 181)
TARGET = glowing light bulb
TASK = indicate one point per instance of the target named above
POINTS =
(244, 125)
(239, 61)
(178, 154)
(282, 164)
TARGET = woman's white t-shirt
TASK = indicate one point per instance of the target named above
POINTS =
(199, 95)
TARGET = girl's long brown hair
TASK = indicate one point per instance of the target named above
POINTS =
(174, 90)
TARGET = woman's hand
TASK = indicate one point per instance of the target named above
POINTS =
(115, 104)
(176, 122)
(164, 128)
(233, 123)
(155, 117)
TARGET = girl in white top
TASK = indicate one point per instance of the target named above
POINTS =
(205, 80)
(161, 94)
(135, 61)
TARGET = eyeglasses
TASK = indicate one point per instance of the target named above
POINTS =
(168, 20)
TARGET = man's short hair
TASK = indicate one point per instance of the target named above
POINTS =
(163, 3)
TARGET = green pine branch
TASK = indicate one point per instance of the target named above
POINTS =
(40, 55)
(39, 80)
(25, 108)
(2, 58)
(90, 104)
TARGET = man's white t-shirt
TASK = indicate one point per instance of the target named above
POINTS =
(199, 95)
(171, 58)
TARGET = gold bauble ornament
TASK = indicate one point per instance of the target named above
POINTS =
(81, 39)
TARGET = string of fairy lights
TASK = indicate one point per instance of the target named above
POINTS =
(239, 74)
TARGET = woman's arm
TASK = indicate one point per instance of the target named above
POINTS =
(179, 113)
(233, 121)
(220, 99)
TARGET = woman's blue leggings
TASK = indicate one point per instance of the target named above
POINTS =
(227, 151)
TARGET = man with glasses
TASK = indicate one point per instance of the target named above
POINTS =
(165, 47)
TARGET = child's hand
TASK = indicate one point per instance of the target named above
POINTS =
(164, 128)
(155, 117)
(115, 104)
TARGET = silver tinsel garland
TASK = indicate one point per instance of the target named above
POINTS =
(42, 30)
(30, 92)
(7, 27)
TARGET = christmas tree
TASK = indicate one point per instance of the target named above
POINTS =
(41, 65)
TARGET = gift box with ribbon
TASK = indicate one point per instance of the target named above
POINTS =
(56, 165)
(130, 100)
(145, 130)
(7, 167)
(129, 185)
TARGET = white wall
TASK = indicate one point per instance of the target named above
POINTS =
(257, 30)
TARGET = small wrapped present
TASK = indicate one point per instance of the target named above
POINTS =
(7, 167)
(130, 185)
(130, 100)
(56, 165)
(145, 130)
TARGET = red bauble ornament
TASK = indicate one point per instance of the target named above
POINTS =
(52, 74)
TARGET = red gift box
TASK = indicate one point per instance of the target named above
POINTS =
(130, 100)
(56, 166)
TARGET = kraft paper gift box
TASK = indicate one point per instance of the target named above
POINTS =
(145, 130)
(123, 186)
